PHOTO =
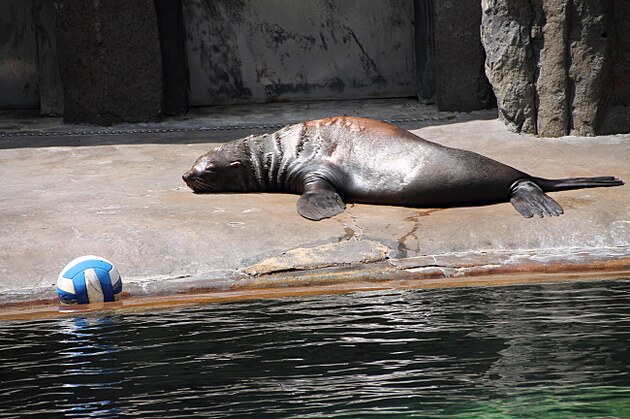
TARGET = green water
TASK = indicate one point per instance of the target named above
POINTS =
(543, 351)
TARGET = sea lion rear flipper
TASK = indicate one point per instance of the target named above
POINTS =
(529, 199)
(320, 203)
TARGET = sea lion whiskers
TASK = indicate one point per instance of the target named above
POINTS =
(201, 186)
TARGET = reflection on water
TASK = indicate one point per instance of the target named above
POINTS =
(530, 351)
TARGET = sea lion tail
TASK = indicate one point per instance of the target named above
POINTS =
(552, 185)
(529, 198)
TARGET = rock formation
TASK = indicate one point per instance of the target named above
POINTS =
(559, 67)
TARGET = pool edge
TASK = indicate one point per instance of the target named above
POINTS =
(466, 269)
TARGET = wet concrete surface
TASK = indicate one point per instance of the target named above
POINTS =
(121, 196)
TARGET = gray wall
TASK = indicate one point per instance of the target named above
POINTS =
(18, 55)
(268, 50)
(104, 56)
(29, 74)
(110, 61)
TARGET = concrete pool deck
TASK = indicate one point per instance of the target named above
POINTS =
(117, 192)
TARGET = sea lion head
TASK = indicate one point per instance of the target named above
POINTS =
(220, 170)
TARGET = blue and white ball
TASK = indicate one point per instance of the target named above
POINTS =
(89, 279)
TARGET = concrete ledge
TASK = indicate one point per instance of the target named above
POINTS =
(612, 262)
(471, 269)
(126, 202)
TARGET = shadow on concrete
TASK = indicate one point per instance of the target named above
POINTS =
(25, 128)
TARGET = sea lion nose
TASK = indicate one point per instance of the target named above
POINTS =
(187, 175)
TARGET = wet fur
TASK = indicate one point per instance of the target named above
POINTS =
(348, 159)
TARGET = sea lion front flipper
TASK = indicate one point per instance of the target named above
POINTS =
(529, 199)
(320, 200)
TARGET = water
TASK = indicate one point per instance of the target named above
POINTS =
(523, 351)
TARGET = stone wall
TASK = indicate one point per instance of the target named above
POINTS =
(127, 61)
(449, 55)
(109, 61)
(50, 89)
(559, 67)
(174, 69)
(18, 55)
(461, 84)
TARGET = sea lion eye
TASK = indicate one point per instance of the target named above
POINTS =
(209, 168)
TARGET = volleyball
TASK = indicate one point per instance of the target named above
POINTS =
(89, 279)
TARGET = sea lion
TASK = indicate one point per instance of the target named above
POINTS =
(349, 159)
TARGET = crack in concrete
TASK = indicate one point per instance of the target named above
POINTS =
(403, 248)
(352, 229)
(358, 230)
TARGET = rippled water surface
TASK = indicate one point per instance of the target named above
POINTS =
(529, 351)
